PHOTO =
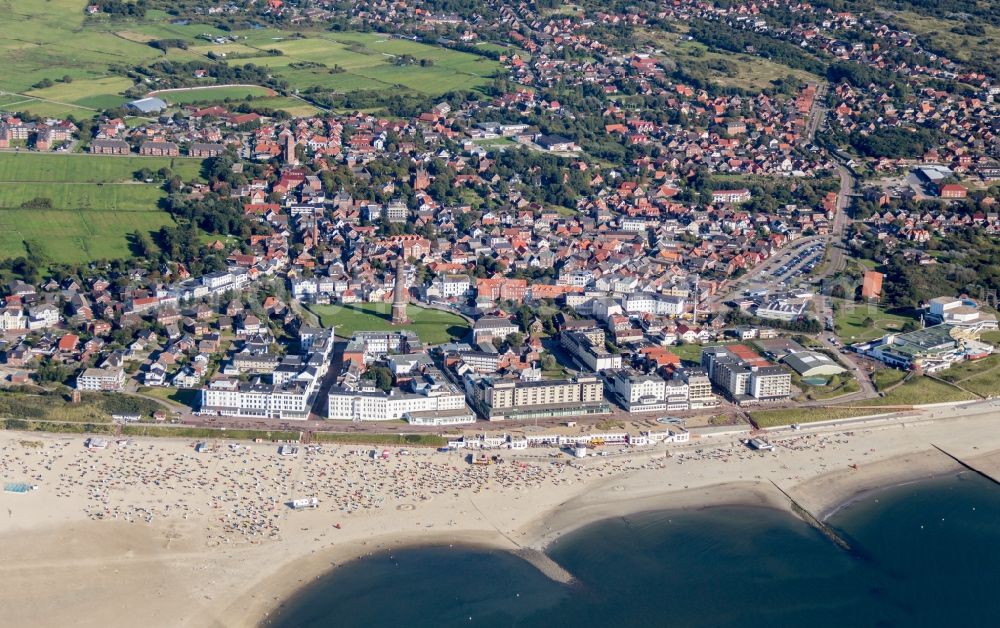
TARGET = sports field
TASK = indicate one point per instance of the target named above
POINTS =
(432, 326)
(92, 204)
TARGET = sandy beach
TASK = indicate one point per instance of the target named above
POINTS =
(154, 534)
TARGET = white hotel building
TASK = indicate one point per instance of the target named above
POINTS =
(290, 400)
(428, 406)
(101, 379)
(658, 304)
(638, 392)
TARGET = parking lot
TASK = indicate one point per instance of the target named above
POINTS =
(802, 263)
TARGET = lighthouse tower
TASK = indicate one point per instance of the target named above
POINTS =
(399, 294)
(288, 148)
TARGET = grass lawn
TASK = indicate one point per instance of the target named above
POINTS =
(95, 204)
(212, 94)
(690, 352)
(293, 106)
(787, 416)
(82, 168)
(74, 236)
(496, 141)
(851, 316)
(992, 337)
(687, 352)
(979, 376)
(412, 440)
(168, 431)
(837, 385)
(986, 383)
(95, 93)
(886, 377)
(432, 326)
(919, 390)
(184, 396)
(111, 196)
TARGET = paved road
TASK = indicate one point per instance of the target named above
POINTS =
(817, 115)
(837, 260)
(860, 374)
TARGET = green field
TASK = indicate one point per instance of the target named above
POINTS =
(53, 39)
(886, 377)
(292, 105)
(919, 390)
(411, 440)
(938, 31)
(980, 376)
(432, 326)
(95, 205)
(213, 94)
(842, 384)
(167, 431)
(49, 39)
(74, 237)
(851, 316)
(107, 196)
(722, 67)
(787, 416)
(366, 62)
(98, 93)
(63, 168)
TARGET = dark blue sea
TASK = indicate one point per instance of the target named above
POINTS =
(923, 554)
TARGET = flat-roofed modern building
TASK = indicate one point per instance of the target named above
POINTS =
(960, 313)
(499, 399)
(813, 364)
(101, 380)
(587, 346)
(366, 346)
(769, 382)
(744, 375)
(929, 350)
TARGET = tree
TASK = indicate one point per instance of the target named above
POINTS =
(868, 322)
(142, 245)
(50, 371)
(382, 376)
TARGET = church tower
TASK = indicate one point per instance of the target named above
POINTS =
(399, 295)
